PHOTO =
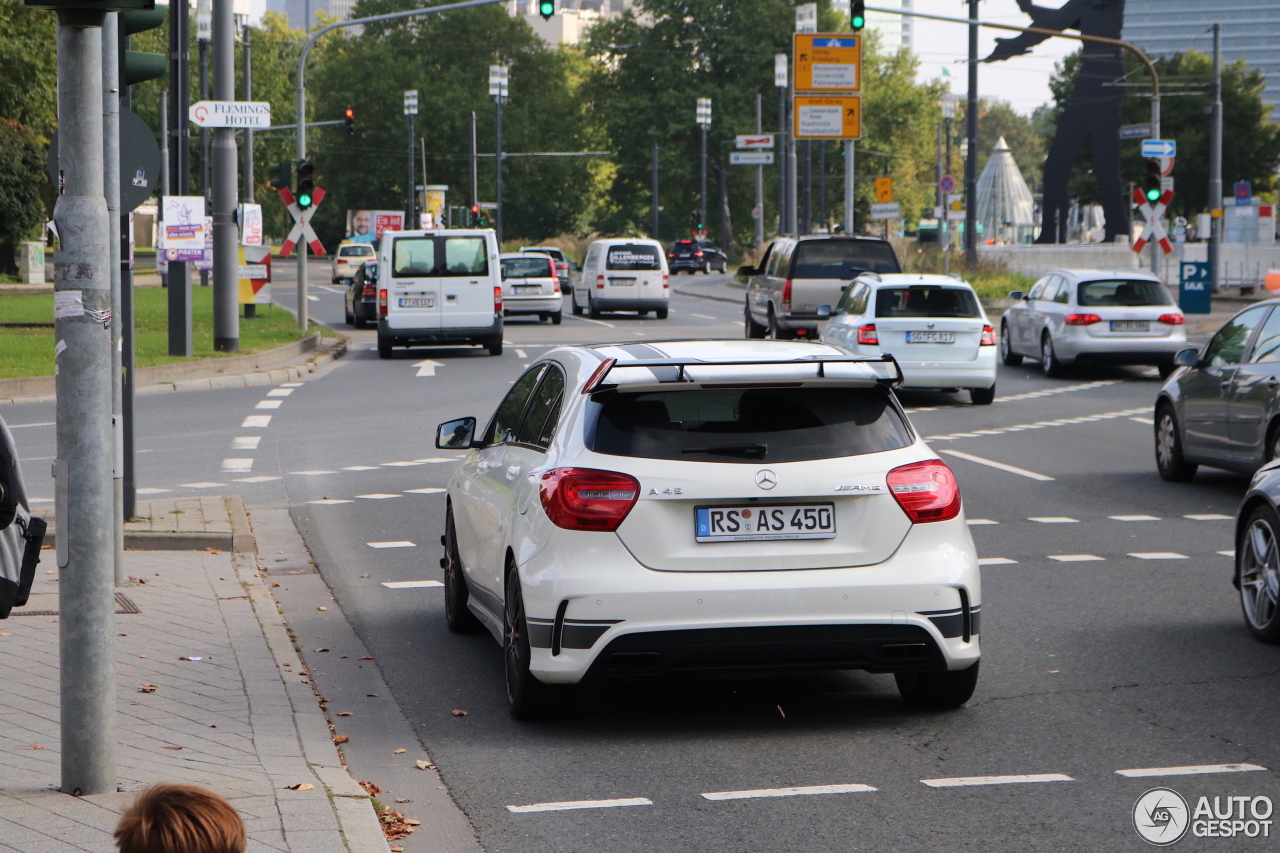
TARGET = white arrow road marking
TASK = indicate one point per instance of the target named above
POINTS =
(428, 367)
(410, 584)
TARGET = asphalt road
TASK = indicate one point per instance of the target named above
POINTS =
(1112, 637)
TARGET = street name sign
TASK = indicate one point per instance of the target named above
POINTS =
(759, 140)
(828, 62)
(828, 117)
(253, 114)
(1135, 131)
(886, 210)
(751, 158)
(1159, 148)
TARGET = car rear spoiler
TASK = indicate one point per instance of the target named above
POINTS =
(597, 380)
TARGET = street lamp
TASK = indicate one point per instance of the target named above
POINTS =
(704, 122)
(411, 112)
(948, 114)
(498, 79)
(780, 80)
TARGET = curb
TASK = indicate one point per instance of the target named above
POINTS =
(240, 540)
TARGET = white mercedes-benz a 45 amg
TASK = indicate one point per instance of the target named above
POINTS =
(635, 511)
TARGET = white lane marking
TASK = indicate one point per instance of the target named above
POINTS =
(245, 442)
(979, 521)
(50, 500)
(580, 804)
(1231, 554)
(1192, 770)
(361, 468)
(256, 421)
(439, 459)
(313, 298)
(23, 426)
(808, 790)
(989, 432)
(521, 353)
(263, 479)
(422, 491)
(1021, 472)
(703, 317)
(400, 464)
(427, 367)
(290, 384)
(311, 473)
(377, 496)
(995, 561)
(201, 485)
(410, 584)
(1032, 395)
(965, 781)
(1075, 558)
(330, 289)
(1023, 427)
(330, 502)
(1134, 517)
(279, 392)
(268, 404)
(1212, 516)
(1146, 421)
(238, 465)
(598, 323)
(1054, 519)
(1158, 555)
(400, 544)
(151, 491)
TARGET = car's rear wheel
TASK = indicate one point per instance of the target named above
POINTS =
(982, 396)
(1169, 459)
(556, 318)
(1049, 363)
(457, 615)
(384, 347)
(937, 689)
(1258, 574)
(528, 697)
(495, 346)
(350, 318)
(661, 313)
(1007, 355)
(706, 267)
(573, 299)
(752, 329)
(592, 311)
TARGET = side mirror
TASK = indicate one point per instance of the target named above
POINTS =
(1187, 358)
(456, 435)
(575, 267)
(747, 272)
(823, 312)
(1015, 295)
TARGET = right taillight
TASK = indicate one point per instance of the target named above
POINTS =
(382, 301)
(1173, 319)
(1081, 319)
(786, 296)
(926, 491)
(600, 282)
(867, 335)
(497, 300)
(586, 499)
(368, 292)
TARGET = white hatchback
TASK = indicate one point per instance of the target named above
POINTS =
(934, 325)
(634, 511)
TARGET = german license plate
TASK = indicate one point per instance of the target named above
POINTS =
(931, 337)
(622, 282)
(418, 302)
(1130, 325)
(528, 288)
(750, 523)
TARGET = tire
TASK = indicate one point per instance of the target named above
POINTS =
(384, 347)
(528, 698)
(457, 615)
(1258, 574)
(495, 346)
(361, 324)
(661, 313)
(706, 267)
(751, 329)
(556, 318)
(1169, 459)
(1166, 370)
(577, 309)
(350, 320)
(1272, 451)
(1007, 355)
(937, 689)
(1049, 364)
(592, 311)
(982, 396)
(772, 332)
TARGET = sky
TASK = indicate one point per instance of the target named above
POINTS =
(1022, 81)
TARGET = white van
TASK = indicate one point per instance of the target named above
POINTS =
(623, 275)
(439, 287)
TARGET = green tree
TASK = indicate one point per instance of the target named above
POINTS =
(998, 119)
(23, 179)
(29, 56)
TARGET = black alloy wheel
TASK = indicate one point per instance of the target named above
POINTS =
(1170, 462)
(528, 698)
(1007, 355)
(457, 615)
(1258, 574)
(946, 690)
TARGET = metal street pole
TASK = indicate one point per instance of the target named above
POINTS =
(83, 488)
(110, 35)
(226, 283)
(759, 174)
(948, 115)
(704, 122)
(807, 225)
(129, 491)
(410, 113)
(848, 185)
(1215, 163)
(179, 170)
(971, 161)
(793, 183)
(248, 132)
(475, 183)
(204, 32)
(654, 232)
(780, 80)
(939, 203)
(497, 218)
(822, 184)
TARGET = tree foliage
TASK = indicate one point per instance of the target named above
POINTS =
(29, 57)
(22, 177)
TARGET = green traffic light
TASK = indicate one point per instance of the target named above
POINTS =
(304, 201)
(1153, 195)
(859, 22)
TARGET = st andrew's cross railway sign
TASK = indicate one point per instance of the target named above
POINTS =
(302, 223)
(1154, 229)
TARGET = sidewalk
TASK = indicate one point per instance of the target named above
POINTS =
(232, 710)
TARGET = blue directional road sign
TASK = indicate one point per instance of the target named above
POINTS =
(1194, 287)
(1243, 191)
(1159, 148)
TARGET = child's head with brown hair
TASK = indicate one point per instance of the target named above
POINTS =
(180, 819)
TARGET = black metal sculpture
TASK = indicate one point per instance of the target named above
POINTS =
(1092, 112)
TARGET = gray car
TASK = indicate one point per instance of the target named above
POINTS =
(1093, 317)
(1222, 408)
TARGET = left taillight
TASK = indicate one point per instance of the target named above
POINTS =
(382, 301)
(867, 335)
(786, 296)
(988, 337)
(497, 300)
(587, 499)
(926, 491)
(666, 282)
(1173, 319)
(1081, 319)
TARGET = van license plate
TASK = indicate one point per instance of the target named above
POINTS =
(528, 288)
(931, 337)
(1130, 325)
(427, 302)
(751, 523)
(622, 282)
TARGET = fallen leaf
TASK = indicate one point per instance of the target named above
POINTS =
(366, 576)
(340, 739)
(213, 550)
(458, 712)
(345, 714)
(371, 695)
(301, 786)
(322, 650)
(412, 822)
(397, 849)
(782, 712)
(5, 634)
(403, 800)
(49, 571)
(367, 657)
(146, 688)
(36, 746)
(322, 608)
(423, 765)
(1055, 670)
(344, 657)
(275, 583)
(370, 788)
(142, 656)
(174, 748)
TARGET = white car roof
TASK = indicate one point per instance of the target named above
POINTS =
(1093, 275)
(901, 279)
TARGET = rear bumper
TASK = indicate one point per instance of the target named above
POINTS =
(675, 264)
(1083, 347)
(649, 304)
(411, 337)
(979, 373)
(514, 305)
(366, 309)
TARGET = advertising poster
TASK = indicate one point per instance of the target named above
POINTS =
(433, 215)
(184, 230)
(254, 275)
(205, 262)
(251, 224)
(366, 226)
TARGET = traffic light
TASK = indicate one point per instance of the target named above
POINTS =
(136, 66)
(281, 174)
(306, 184)
(695, 221)
(477, 217)
(858, 14)
(546, 8)
(350, 122)
(1151, 183)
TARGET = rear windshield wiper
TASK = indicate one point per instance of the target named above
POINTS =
(757, 451)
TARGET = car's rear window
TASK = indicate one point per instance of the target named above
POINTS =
(355, 252)
(842, 259)
(413, 256)
(1124, 293)
(926, 301)
(748, 425)
(633, 258)
(530, 267)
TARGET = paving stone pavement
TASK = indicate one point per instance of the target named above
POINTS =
(226, 714)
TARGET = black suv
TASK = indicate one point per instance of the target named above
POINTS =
(696, 256)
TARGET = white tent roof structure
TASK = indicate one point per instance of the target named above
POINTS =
(1005, 207)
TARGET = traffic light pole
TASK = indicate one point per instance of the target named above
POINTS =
(412, 196)
(703, 198)
(250, 309)
(475, 181)
(226, 284)
(1215, 162)
(497, 170)
(111, 191)
(971, 161)
(179, 275)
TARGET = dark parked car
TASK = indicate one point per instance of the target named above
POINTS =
(696, 256)
(362, 296)
(1257, 574)
(1222, 407)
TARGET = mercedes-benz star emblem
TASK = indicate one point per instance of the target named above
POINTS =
(766, 479)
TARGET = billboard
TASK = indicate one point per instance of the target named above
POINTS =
(366, 226)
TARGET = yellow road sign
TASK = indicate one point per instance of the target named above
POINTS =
(828, 117)
(828, 62)
(884, 190)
